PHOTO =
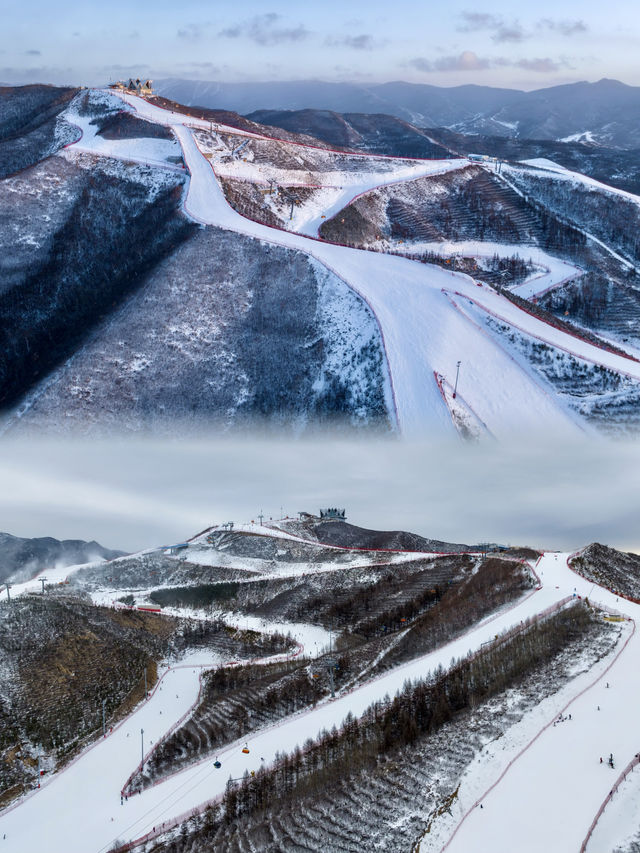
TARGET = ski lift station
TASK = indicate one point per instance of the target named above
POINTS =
(176, 549)
(482, 158)
(137, 87)
(333, 514)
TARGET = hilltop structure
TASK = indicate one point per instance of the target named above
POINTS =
(333, 514)
(136, 86)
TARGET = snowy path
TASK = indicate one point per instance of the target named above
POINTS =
(556, 814)
(164, 153)
(552, 272)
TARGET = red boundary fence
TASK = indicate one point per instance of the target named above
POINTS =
(440, 381)
(541, 732)
(628, 769)
(551, 326)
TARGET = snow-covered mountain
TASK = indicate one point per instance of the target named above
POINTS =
(22, 559)
(228, 684)
(605, 112)
(177, 273)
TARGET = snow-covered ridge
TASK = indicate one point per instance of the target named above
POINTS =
(406, 298)
(415, 302)
(163, 153)
(564, 174)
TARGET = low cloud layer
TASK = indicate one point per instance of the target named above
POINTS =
(468, 60)
(139, 494)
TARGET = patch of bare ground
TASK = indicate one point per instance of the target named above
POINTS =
(248, 199)
(61, 657)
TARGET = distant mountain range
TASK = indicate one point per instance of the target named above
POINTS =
(25, 558)
(605, 113)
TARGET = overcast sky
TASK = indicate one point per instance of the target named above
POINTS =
(132, 495)
(500, 43)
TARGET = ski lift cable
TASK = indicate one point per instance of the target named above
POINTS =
(165, 801)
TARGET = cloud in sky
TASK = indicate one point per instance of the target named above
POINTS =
(540, 65)
(266, 30)
(364, 41)
(503, 31)
(565, 28)
(473, 21)
(193, 31)
(468, 60)
(465, 61)
(510, 33)
(138, 494)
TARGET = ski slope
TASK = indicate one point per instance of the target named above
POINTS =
(79, 809)
(564, 174)
(556, 769)
(551, 272)
(155, 152)
(421, 329)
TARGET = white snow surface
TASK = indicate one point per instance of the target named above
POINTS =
(334, 190)
(563, 173)
(156, 152)
(620, 822)
(542, 784)
(551, 272)
(267, 568)
(79, 808)
(584, 136)
(421, 330)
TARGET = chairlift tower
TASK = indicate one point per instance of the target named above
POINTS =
(43, 581)
(332, 665)
(455, 389)
(292, 198)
